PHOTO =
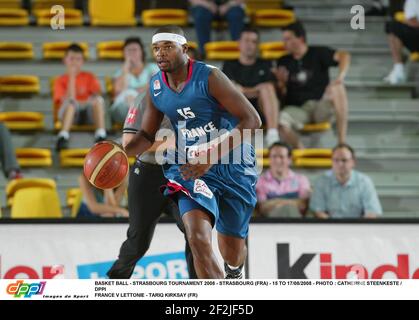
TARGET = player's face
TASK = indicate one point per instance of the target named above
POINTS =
(248, 44)
(343, 162)
(279, 159)
(168, 55)
(291, 42)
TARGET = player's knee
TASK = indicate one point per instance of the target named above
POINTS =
(199, 243)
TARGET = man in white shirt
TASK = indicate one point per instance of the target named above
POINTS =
(403, 34)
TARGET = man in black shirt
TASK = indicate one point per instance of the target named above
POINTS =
(308, 95)
(254, 78)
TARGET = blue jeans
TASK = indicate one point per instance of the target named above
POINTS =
(203, 18)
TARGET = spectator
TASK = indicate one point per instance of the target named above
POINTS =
(205, 11)
(254, 79)
(132, 79)
(78, 94)
(306, 90)
(343, 192)
(101, 203)
(8, 159)
(280, 191)
(403, 34)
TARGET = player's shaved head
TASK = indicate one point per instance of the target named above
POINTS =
(170, 29)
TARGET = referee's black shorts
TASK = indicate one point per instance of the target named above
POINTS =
(409, 36)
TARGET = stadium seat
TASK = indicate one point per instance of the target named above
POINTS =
(316, 127)
(56, 50)
(18, 184)
(110, 49)
(161, 17)
(273, 17)
(19, 84)
(74, 198)
(16, 50)
(23, 120)
(72, 17)
(222, 50)
(312, 158)
(103, 13)
(34, 157)
(47, 4)
(414, 56)
(13, 17)
(10, 4)
(73, 157)
(36, 203)
(253, 5)
(272, 50)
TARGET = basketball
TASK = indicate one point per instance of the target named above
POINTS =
(106, 165)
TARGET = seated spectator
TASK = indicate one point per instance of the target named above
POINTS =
(343, 192)
(280, 191)
(101, 203)
(205, 11)
(308, 95)
(401, 35)
(78, 94)
(131, 79)
(253, 77)
(10, 166)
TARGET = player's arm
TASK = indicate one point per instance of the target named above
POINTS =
(224, 91)
(150, 124)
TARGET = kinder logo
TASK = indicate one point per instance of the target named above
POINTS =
(27, 290)
(329, 270)
(162, 266)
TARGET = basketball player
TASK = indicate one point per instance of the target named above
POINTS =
(200, 102)
(145, 202)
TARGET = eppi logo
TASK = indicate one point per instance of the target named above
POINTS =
(21, 289)
(330, 270)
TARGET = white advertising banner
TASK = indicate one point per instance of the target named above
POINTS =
(334, 251)
(84, 251)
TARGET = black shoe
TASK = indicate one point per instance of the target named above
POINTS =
(99, 139)
(233, 274)
(62, 143)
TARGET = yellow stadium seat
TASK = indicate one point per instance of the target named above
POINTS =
(272, 50)
(13, 17)
(34, 157)
(16, 50)
(73, 157)
(36, 203)
(19, 84)
(47, 4)
(23, 120)
(71, 195)
(253, 5)
(312, 158)
(414, 56)
(18, 184)
(161, 17)
(10, 4)
(104, 13)
(57, 50)
(222, 50)
(72, 17)
(399, 16)
(193, 44)
(316, 127)
(273, 17)
(110, 49)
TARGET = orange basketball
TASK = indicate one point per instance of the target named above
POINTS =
(106, 165)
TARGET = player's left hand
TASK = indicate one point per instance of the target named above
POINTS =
(194, 171)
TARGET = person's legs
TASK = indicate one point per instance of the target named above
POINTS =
(198, 227)
(270, 108)
(292, 118)
(202, 20)
(337, 94)
(68, 114)
(396, 32)
(235, 17)
(145, 204)
(98, 114)
(7, 152)
(232, 249)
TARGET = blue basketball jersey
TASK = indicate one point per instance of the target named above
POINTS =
(197, 118)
